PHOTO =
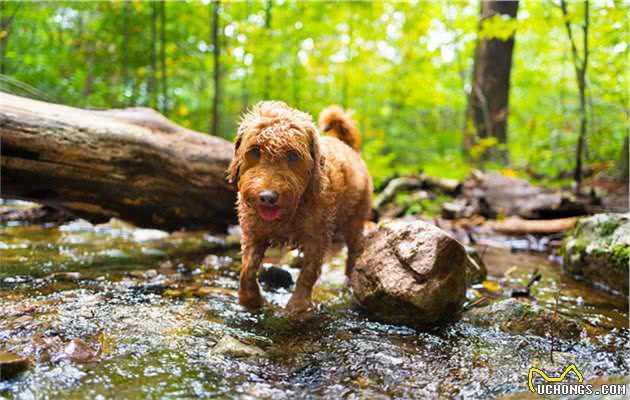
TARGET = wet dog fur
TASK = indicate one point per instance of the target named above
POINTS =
(297, 188)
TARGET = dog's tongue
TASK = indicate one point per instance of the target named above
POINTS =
(269, 213)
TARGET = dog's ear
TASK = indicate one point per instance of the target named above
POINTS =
(235, 165)
(318, 163)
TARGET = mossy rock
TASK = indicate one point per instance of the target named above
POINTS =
(597, 251)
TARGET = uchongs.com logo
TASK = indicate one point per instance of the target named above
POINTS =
(561, 385)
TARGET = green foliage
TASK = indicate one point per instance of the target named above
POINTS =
(404, 67)
(427, 207)
(500, 27)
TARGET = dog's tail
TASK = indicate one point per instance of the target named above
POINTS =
(339, 123)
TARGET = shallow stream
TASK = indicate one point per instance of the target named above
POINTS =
(150, 307)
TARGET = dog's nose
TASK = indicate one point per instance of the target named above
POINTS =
(268, 197)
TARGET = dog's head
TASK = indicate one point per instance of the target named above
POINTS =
(276, 159)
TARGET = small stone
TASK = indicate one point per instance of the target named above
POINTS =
(65, 276)
(166, 265)
(273, 278)
(87, 312)
(210, 291)
(11, 365)
(77, 351)
(22, 322)
(230, 346)
(43, 348)
(213, 261)
(146, 274)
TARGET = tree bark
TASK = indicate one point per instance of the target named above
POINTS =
(488, 100)
(132, 164)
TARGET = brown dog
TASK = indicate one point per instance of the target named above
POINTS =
(297, 188)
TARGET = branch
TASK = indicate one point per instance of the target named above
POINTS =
(484, 109)
(579, 64)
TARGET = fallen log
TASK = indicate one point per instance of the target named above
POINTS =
(133, 164)
(492, 194)
(517, 225)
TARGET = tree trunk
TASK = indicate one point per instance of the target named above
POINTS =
(132, 164)
(488, 100)
(214, 130)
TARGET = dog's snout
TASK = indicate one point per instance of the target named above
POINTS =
(268, 197)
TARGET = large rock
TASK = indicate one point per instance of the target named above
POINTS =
(411, 273)
(597, 251)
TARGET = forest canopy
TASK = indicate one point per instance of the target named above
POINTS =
(404, 67)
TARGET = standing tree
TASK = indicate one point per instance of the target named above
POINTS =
(580, 64)
(214, 129)
(488, 100)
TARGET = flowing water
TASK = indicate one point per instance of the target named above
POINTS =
(150, 307)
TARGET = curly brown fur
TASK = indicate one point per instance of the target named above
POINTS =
(321, 185)
(339, 123)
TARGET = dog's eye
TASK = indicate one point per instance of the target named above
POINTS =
(255, 152)
(293, 156)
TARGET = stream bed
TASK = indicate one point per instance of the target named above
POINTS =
(113, 311)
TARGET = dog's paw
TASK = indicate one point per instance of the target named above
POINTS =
(250, 301)
(297, 307)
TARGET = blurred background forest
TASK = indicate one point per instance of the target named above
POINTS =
(406, 68)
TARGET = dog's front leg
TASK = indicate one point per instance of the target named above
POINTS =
(301, 298)
(249, 291)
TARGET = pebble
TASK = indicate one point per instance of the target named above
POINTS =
(230, 346)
